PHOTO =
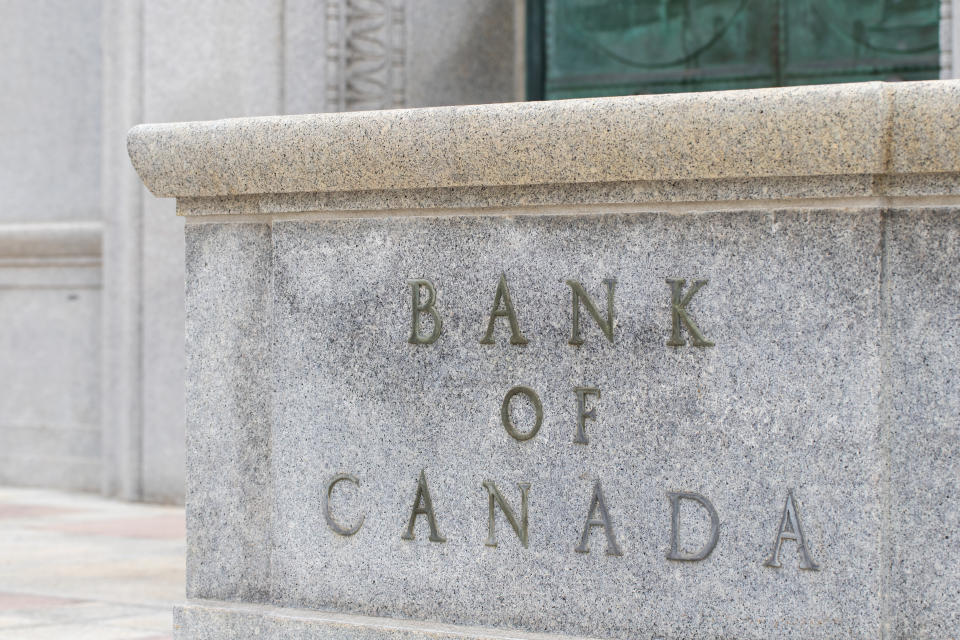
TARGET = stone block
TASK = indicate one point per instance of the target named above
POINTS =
(659, 366)
(228, 422)
(922, 417)
(785, 400)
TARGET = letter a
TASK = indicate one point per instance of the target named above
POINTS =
(598, 503)
(502, 296)
(423, 498)
(420, 307)
(791, 529)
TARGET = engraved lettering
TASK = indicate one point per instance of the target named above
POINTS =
(678, 307)
(333, 524)
(420, 307)
(578, 295)
(597, 503)
(519, 527)
(423, 505)
(502, 296)
(505, 413)
(675, 553)
(791, 529)
(582, 413)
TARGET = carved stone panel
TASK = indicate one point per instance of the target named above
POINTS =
(365, 54)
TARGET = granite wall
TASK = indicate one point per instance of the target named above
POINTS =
(671, 366)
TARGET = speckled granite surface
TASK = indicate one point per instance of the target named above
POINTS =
(823, 392)
(786, 399)
(830, 130)
(922, 405)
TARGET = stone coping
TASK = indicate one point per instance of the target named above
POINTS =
(817, 132)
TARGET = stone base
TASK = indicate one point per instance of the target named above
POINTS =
(335, 337)
(217, 620)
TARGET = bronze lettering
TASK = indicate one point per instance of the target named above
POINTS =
(520, 527)
(505, 412)
(333, 524)
(597, 503)
(423, 505)
(675, 553)
(678, 308)
(578, 295)
(791, 529)
(582, 413)
(502, 296)
(420, 307)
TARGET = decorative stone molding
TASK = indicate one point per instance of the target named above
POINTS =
(365, 54)
(847, 133)
(51, 243)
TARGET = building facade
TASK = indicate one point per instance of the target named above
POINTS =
(91, 265)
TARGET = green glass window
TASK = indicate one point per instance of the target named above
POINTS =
(579, 48)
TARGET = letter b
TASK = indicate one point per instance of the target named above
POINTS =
(420, 307)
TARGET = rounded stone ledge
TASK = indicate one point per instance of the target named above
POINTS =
(830, 130)
(50, 240)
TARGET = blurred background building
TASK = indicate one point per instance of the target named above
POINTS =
(91, 265)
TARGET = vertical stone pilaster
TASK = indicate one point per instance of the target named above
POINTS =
(121, 353)
(946, 40)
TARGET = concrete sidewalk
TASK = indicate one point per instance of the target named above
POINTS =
(75, 566)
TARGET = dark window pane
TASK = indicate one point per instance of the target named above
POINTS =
(616, 47)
